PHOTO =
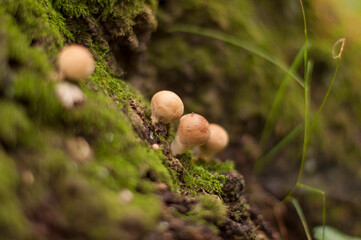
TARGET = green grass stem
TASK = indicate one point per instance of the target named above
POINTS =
(322, 193)
(279, 146)
(306, 99)
(331, 84)
(281, 91)
(302, 217)
(308, 69)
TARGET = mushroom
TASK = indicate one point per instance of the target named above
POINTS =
(166, 107)
(193, 130)
(75, 62)
(79, 149)
(69, 94)
(217, 142)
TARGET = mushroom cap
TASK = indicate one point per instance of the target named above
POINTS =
(166, 107)
(217, 141)
(75, 62)
(193, 130)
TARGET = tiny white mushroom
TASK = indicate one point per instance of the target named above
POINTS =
(80, 150)
(75, 62)
(125, 196)
(161, 186)
(166, 107)
(155, 146)
(217, 142)
(69, 94)
(193, 130)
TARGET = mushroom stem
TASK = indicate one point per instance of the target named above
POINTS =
(154, 119)
(193, 130)
(177, 147)
(69, 94)
(217, 142)
(205, 155)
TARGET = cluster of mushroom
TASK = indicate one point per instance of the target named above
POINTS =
(75, 63)
(193, 129)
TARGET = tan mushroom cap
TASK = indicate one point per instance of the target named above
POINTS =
(193, 130)
(217, 141)
(75, 62)
(166, 107)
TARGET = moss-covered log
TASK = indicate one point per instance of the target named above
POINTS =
(122, 188)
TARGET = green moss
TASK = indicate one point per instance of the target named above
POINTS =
(105, 9)
(83, 198)
(38, 96)
(13, 224)
(80, 201)
(116, 145)
(15, 125)
(39, 23)
(242, 212)
(17, 46)
(217, 165)
(209, 210)
(197, 179)
(103, 81)
(89, 192)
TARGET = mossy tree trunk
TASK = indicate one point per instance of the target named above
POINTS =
(121, 189)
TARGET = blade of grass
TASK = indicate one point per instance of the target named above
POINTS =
(323, 216)
(238, 43)
(289, 137)
(342, 41)
(305, 138)
(307, 131)
(306, 110)
(280, 145)
(279, 95)
(306, 96)
(302, 217)
(316, 190)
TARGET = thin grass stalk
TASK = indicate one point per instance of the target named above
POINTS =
(302, 217)
(280, 145)
(280, 93)
(331, 84)
(323, 215)
(321, 192)
(306, 96)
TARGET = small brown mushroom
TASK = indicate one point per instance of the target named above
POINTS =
(75, 62)
(193, 130)
(217, 142)
(166, 107)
